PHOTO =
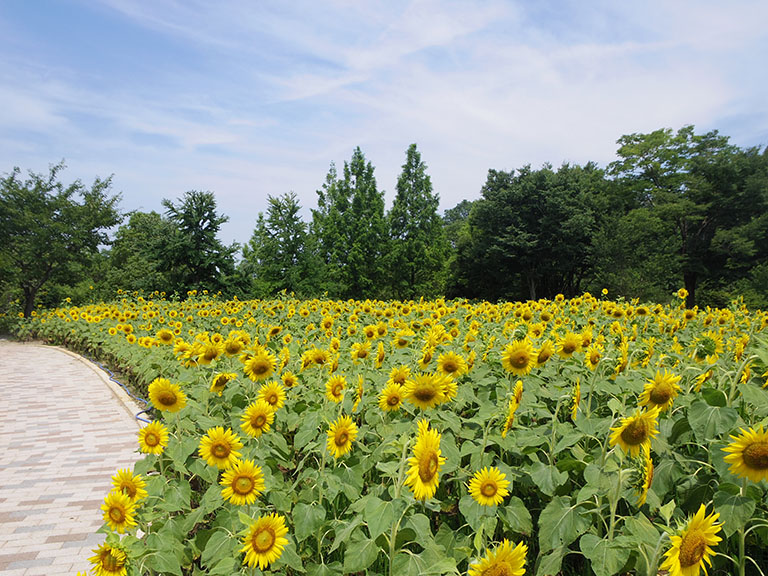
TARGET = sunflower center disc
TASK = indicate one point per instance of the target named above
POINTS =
(393, 400)
(661, 393)
(488, 489)
(428, 467)
(116, 515)
(263, 540)
(520, 360)
(168, 399)
(500, 569)
(259, 421)
(756, 456)
(243, 485)
(272, 399)
(220, 451)
(111, 563)
(337, 390)
(424, 394)
(341, 438)
(151, 440)
(129, 489)
(692, 549)
(635, 433)
(450, 367)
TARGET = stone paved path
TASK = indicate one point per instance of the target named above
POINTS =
(64, 432)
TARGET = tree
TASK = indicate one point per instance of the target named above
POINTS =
(350, 230)
(194, 256)
(671, 175)
(531, 232)
(276, 256)
(418, 245)
(136, 257)
(47, 229)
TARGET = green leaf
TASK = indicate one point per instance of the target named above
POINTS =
(606, 558)
(307, 519)
(756, 398)
(734, 508)
(344, 534)
(165, 563)
(560, 523)
(379, 516)
(710, 422)
(549, 564)
(667, 510)
(420, 525)
(547, 477)
(517, 517)
(714, 397)
(216, 547)
(360, 555)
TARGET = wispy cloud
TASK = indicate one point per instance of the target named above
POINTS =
(251, 98)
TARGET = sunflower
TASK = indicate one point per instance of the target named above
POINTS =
(661, 391)
(576, 399)
(399, 374)
(153, 438)
(242, 482)
(359, 392)
(257, 418)
(423, 474)
(360, 350)
(265, 541)
(391, 398)
(424, 390)
(289, 379)
(220, 447)
(592, 355)
(518, 357)
(635, 433)
(119, 511)
(517, 392)
(261, 365)
(220, 381)
(164, 336)
(692, 547)
(569, 344)
(380, 355)
(452, 364)
(334, 388)
(488, 486)
(209, 352)
(273, 394)
(506, 560)
(748, 454)
(341, 434)
(166, 396)
(124, 481)
(513, 406)
(646, 478)
(109, 561)
(546, 351)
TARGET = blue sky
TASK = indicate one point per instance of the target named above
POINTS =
(249, 98)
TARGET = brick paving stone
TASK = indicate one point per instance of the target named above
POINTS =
(65, 431)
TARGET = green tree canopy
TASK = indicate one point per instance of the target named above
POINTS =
(136, 256)
(418, 245)
(350, 230)
(48, 229)
(194, 256)
(277, 257)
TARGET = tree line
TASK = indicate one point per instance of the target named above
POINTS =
(675, 209)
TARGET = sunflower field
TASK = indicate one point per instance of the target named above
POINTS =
(324, 437)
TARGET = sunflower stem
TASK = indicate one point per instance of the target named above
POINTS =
(654, 563)
(398, 488)
(554, 430)
(742, 537)
(614, 504)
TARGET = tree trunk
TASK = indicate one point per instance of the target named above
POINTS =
(689, 278)
(531, 287)
(29, 301)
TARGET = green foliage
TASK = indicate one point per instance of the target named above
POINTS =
(193, 255)
(49, 230)
(349, 227)
(417, 239)
(278, 256)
